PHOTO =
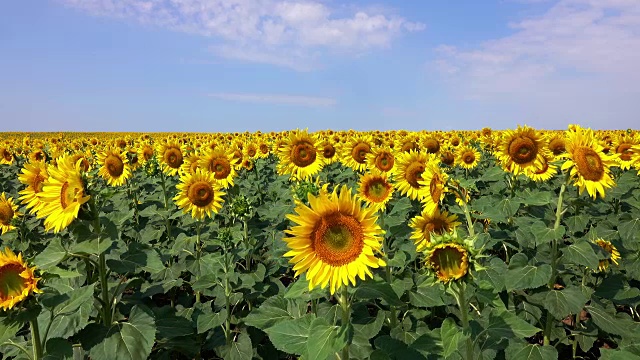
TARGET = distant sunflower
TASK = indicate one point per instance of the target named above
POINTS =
(300, 156)
(33, 176)
(409, 169)
(431, 222)
(145, 152)
(468, 157)
(329, 151)
(556, 143)
(624, 146)
(63, 192)
(603, 264)
(221, 163)
(382, 159)
(190, 164)
(114, 166)
(335, 240)
(431, 144)
(8, 211)
(263, 149)
(37, 155)
(199, 193)
(448, 157)
(375, 190)
(17, 279)
(6, 156)
(433, 186)
(170, 157)
(521, 149)
(355, 150)
(589, 166)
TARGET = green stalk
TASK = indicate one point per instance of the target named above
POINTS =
(198, 255)
(102, 271)
(227, 300)
(166, 204)
(245, 230)
(463, 305)
(554, 263)
(467, 215)
(35, 339)
(346, 308)
(393, 316)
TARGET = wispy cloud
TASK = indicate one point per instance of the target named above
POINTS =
(283, 33)
(281, 99)
(579, 58)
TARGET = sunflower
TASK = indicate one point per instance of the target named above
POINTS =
(355, 150)
(589, 165)
(431, 144)
(63, 192)
(335, 239)
(624, 146)
(431, 222)
(221, 163)
(410, 166)
(543, 172)
(448, 157)
(449, 261)
(37, 155)
(17, 279)
(8, 211)
(375, 190)
(190, 164)
(468, 157)
(199, 193)
(521, 149)
(114, 166)
(6, 157)
(299, 156)
(612, 250)
(556, 143)
(170, 156)
(33, 176)
(382, 159)
(433, 186)
(145, 152)
(328, 152)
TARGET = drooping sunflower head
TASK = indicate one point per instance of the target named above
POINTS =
(355, 150)
(221, 163)
(468, 157)
(589, 166)
(114, 166)
(199, 193)
(614, 254)
(17, 279)
(375, 189)
(450, 257)
(33, 176)
(170, 156)
(448, 157)
(300, 156)
(335, 239)
(62, 195)
(382, 159)
(433, 186)
(410, 166)
(431, 222)
(8, 211)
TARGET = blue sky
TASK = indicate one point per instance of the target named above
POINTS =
(238, 65)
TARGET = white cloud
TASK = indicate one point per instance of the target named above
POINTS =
(281, 99)
(579, 60)
(271, 31)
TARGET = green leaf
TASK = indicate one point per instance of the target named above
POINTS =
(326, 339)
(70, 312)
(373, 289)
(577, 223)
(95, 246)
(506, 324)
(210, 320)
(544, 234)
(519, 276)
(617, 354)
(8, 329)
(394, 349)
(291, 336)
(273, 311)
(580, 253)
(58, 349)
(608, 322)
(300, 289)
(241, 349)
(127, 340)
(522, 351)
(561, 303)
(137, 257)
(429, 293)
(51, 256)
(451, 336)
(629, 230)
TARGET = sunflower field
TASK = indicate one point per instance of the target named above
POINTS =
(491, 244)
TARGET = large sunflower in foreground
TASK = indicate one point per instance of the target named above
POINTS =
(33, 176)
(335, 239)
(199, 193)
(63, 193)
(17, 279)
(521, 149)
(375, 190)
(8, 210)
(589, 166)
(428, 222)
(300, 156)
(114, 166)
(409, 169)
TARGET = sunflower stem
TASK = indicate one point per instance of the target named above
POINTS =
(166, 204)
(393, 316)
(35, 339)
(227, 297)
(198, 255)
(467, 215)
(554, 255)
(346, 308)
(463, 305)
(102, 270)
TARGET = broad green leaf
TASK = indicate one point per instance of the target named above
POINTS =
(130, 340)
(241, 349)
(523, 351)
(544, 234)
(451, 336)
(394, 349)
(506, 324)
(95, 246)
(135, 259)
(617, 354)
(526, 277)
(70, 312)
(580, 253)
(58, 349)
(561, 303)
(8, 329)
(372, 289)
(51, 256)
(273, 311)
(209, 320)
(291, 336)
(577, 223)
(610, 323)
(325, 339)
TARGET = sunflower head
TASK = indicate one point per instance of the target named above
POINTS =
(375, 189)
(300, 156)
(114, 166)
(614, 254)
(17, 279)
(431, 222)
(8, 212)
(199, 193)
(450, 257)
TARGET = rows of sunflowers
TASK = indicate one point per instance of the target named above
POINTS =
(506, 244)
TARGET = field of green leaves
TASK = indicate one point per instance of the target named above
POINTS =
(301, 245)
